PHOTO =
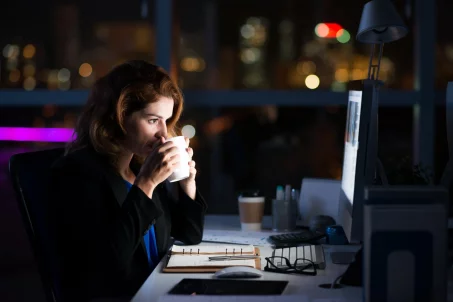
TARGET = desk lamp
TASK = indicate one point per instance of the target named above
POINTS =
(380, 23)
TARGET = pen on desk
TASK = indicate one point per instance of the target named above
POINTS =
(243, 257)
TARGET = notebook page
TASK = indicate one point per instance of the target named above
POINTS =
(203, 260)
(213, 249)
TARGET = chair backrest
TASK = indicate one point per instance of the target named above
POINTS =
(30, 173)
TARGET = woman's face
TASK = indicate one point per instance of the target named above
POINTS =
(145, 127)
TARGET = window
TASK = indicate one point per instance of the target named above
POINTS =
(62, 45)
(255, 44)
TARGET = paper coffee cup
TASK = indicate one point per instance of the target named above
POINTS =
(251, 211)
(182, 171)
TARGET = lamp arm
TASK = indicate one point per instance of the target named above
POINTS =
(381, 50)
(372, 74)
(370, 64)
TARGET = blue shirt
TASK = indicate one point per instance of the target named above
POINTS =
(150, 242)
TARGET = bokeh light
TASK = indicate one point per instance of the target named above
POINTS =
(247, 31)
(343, 36)
(321, 30)
(305, 68)
(358, 74)
(327, 30)
(29, 51)
(342, 75)
(188, 131)
(11, 51)
(29, 70)
(312, 81)
(29, 83)
(85, 70)
(192, 64)
(64, 75)
(14, 76)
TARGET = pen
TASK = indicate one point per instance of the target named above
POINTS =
(288, 192)
(280, 193)
(243, 257)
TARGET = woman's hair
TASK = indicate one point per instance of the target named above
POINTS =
(127, 88)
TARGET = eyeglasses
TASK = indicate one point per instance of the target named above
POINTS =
(280, 264)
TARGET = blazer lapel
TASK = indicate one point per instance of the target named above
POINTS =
(118, 186)
(119, 189)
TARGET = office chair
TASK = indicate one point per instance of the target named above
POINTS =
(30, 174)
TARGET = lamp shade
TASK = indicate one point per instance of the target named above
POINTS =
(380, 23)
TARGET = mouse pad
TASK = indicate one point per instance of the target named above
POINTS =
(227, 287)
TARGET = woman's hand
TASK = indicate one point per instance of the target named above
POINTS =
(188, 185)
(158, 166)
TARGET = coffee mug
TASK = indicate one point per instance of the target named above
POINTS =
(183, 170)
(251, 211)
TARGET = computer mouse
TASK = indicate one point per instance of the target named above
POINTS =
(319, 223)
(238, 272)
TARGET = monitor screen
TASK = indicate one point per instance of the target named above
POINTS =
(351, 144)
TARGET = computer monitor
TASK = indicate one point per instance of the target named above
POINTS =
(360, 155)
(447, 174)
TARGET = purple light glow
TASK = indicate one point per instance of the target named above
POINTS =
(21, 134)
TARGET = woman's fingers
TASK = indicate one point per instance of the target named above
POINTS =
(190, 152)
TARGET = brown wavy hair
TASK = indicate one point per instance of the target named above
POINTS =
(127, 88)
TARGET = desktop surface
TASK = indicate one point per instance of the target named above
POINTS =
(159, 283)
(191, 286)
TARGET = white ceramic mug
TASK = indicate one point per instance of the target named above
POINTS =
(182, 171)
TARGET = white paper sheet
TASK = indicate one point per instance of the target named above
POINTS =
(203, 260)
(203, 298)
(213, 249)
(239, 237)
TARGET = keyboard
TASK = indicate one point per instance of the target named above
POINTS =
(305, 236)
(314, 253)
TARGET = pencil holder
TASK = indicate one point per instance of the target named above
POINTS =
(284, 215)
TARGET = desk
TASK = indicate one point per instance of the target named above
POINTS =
(159, 283)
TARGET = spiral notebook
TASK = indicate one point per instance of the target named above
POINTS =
(195, 258)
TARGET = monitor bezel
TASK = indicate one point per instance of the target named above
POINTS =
(351, 215)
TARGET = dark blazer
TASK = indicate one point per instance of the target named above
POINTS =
(100, 226)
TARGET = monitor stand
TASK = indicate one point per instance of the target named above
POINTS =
(342, 257)
(353, 275)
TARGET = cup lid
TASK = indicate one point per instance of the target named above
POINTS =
(250, 193)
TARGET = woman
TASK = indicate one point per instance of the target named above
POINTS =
(114, 210)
